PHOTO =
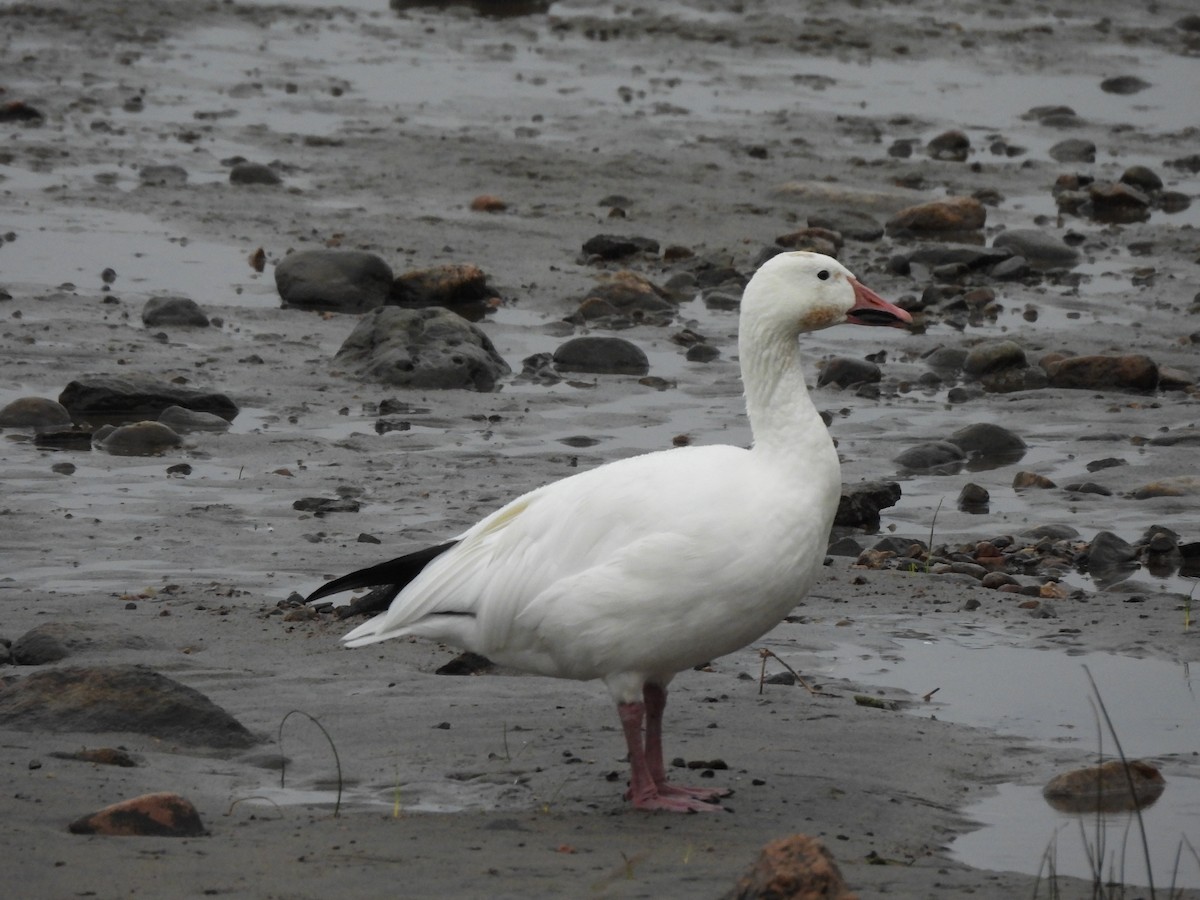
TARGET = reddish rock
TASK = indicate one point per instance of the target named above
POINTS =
(1117, 202)
(1031, 479)
(488, 203)
(792, 868)
(156, 815)
(1132, 372)
(452, 285)
(951, 214)
(819, 240)
(1106, 788)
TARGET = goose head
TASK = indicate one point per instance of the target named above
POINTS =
(798, 292)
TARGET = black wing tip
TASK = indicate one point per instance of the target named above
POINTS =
(395, 573)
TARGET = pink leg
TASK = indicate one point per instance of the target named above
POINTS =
(656, 703)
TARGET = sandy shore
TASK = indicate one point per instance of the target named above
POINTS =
(713, 129)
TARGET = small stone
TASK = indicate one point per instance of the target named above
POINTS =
(488, 203)
(613, 247)
(796, 867)
(253, 173)
(1074, 150)
(951, 145)
(157, 815)
(163, 176)
(845, 371)
(851, 224)
(140, 439)
(1105, 788)
(160, 312)
(1124, 85)
(602, 355)
(860, 504)
(973, 498)
(1024, 480)
(702, 353)
(1039, 247)
(1143, 178)
(954, 214)
(1132, 372)
(182, 421)
(34, 412)
(993, 356)
(347, 281)
(939, 457)
(1119, 203)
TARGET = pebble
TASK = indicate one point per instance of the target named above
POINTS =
(1115, 202)
(253, 173)
(1039, 247)
(951, 145)
(973, 498)
(1124, 85)
(139, 439)
(939, 457)
(845, 371)
(1024, 480)
(169, 175)
(1074, 150)
(608, 247)
(992, 356)
(155, 815)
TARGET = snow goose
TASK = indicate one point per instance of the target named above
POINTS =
(644, 567)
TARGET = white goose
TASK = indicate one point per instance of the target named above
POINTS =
(644, 567)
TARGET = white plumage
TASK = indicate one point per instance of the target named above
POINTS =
(644, 567)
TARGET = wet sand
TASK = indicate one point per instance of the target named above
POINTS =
(720, 129)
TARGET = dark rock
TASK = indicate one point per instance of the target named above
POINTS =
(253, 173)
(1107, 463)
(817, 240)
(951, 145)
(182, 421)
(1040, 248)
(154, 815)
(173, 311)
(702, 353)
(1074, 150)
(851, 224)
(993, 356)
(37, 648)
(1123, 84)
(844, 546)
(988, 442)
(34, 412)
(1011, 269)
(954, 214)
(466, 664)
(132, 397)
(1132, 372)
(74, 438)
(937, 457)
(461, 287)
(946, 360)
(118, 698)
(20, 111)
(624, 299)
(973, 498)
(611, 247)
(140, 439)
(1110, 558)
(845, 371)
(422, 348)
(860, 504)
(1142, 178)
(792, 868)
(348, 281)
(320, 506)
(1087, 487)
(163, 176)
(1118, 203)
(603, 355)
(935, 256)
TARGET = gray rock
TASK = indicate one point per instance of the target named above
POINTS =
(951, 145)
(1143, 178)
(166, 311)
(1074, 150)
(938, 457)
(985, 442)
(973, 498)
(1010, 269)
(1110, 558)
(1124, 85)
(993, 356)
(34, 412)
(182, 421)
(132, 397)
(118, 698)
(845, 371)
(936, 255)
(602, 355)
(37, 648)
(611, 246)
(422, 348)
(163, 176)
(347, 281)
(253, 173)
(140, 439)
(1042, 249)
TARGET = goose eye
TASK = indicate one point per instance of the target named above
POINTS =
(823, 274)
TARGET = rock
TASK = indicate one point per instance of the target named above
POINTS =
(1011, 269)
(118, 698)
(623, 299)
(611, 247)
(38, 647)
(603, 355)
(182, 421)
(140, 439)
(253, 173)
(1143, 178)
(937, 256)
(163, 176)
(1119, 203)
(34, 412)
(860, 504)
(792, 868)
(346, 281)
(173, 311)
(456, 286)
(1123, 84)
(1074, 150)
(1177, 486)
(936, 457)
(954, 214)
(1110, 558)
(993, 356)
(131, 397)
(101, 756)
(157, 815)
(488, 203)
(990, 442)
(951, 145)
(702, 353)
(1087, 487)
(818, 240)
(973, 498)
(1024, 480)
(1040, 248)
(845, 371)
(1132, 372)
(422, 348)
(851, 224)
(1112, 787)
